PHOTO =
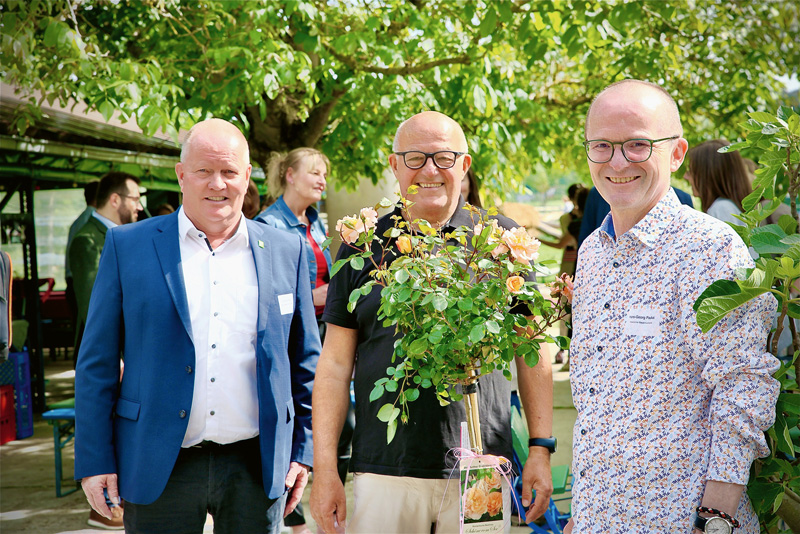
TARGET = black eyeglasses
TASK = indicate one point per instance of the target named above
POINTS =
(634, 150)
(444, 159)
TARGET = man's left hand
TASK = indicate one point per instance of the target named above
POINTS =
(296, 480)
(536, 475)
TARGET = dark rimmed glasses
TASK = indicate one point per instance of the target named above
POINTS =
(634, 150)
(444, 159)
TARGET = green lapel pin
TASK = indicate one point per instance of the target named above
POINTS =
(260, 244)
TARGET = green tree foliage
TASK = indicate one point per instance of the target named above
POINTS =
(341, 74)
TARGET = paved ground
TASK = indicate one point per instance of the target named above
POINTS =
(27, 489)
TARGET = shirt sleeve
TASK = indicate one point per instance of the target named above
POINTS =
(738, 370)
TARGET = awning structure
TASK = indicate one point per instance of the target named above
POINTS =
(63, 149)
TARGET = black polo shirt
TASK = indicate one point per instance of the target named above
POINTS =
(420, 447)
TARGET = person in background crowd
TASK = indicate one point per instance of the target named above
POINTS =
(163, 209)
(89, 194)
(118, 202)
(300, 178)
(470, 189)
(252, 201)
(719, 180)
(670, 418)
(213, 411)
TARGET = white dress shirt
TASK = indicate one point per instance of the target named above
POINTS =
(222, 293)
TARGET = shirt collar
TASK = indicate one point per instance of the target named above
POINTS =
(291, 218)
(105, 220)
(652, 225)
(185, 225)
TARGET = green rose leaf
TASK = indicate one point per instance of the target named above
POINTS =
(388, 413)
(477, 333)
(376, 393)
(357, 263)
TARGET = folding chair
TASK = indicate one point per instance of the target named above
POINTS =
(554, 520)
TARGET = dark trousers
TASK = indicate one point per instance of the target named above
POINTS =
(223, 480)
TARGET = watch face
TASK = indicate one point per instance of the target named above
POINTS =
(717, 525)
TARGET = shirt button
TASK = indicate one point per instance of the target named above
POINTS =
(214, 346)
(213, 379)
(212, 412)
(591, 391)
(583, 432)
(606, 305)
(189, 369)
(182, 414)
(216, 313)
(615, 264)
(599, 348)
(215, 282)
(583, 472)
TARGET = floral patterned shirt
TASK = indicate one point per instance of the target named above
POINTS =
(663, 407)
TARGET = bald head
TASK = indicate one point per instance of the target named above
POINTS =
(216, 128)
(654, 99)
(427, 123)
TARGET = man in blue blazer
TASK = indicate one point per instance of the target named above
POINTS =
(214, 318)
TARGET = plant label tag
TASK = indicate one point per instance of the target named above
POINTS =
(286, 303)
(643, 322)
(483, 496)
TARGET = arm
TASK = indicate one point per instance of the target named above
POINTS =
(536, 397)
(331, 402)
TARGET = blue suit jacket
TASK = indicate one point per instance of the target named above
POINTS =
(135, 428)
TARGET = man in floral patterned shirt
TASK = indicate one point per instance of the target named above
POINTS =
(669, 418)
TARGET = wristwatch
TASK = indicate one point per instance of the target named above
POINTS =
(550, 443)
(713, 525)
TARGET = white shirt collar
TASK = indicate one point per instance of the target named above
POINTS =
(105, 220)
(185, 225)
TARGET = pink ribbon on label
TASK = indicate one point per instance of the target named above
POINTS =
(501, 465)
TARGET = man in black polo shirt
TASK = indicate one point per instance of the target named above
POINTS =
(403, 486)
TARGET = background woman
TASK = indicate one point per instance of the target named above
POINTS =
(300, 178)
(720, 181)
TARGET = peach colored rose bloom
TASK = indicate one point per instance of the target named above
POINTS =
(353, 226)
(495, 481)
(476, 501)
(349, 228)
(404, 244)
(370, 217)
(494, 504)
(521, 245)
(514, 283)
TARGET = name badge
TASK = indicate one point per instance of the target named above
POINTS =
(286, 303)
(643, 322)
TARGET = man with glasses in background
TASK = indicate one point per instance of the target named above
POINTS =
(669, 418)
(402, 486)
(118, 202)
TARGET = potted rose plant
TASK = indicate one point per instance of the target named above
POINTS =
(455, 296)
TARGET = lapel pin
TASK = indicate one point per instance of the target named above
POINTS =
(260, 244)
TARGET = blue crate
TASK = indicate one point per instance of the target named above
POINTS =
(7, 373)
(22, 393)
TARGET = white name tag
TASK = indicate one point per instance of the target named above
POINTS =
(286, 303)
(643, 322)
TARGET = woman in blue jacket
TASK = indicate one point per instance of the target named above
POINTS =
(299, 177)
